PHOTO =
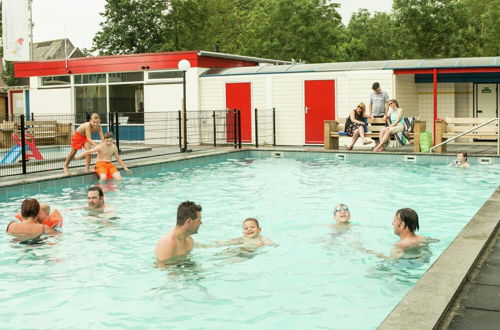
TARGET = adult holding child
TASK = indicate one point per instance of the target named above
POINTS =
(31, 226)
(396, 124)
(82, 137)
(355, 125)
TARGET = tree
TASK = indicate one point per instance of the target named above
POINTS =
(131, 26)
(430, 28)
(370, 37)
(308, 30)
(483, 24)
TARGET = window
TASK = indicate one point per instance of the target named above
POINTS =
(127, 100)
(126, 77)
(89, 99)
(165, 74)
(90, 78)
(56, 80)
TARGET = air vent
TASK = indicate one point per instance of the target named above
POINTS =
(410, 159)
(277, 154)
(485, 161)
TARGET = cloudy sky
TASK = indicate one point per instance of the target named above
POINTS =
(79, 19)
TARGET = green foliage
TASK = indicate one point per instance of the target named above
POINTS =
(307, 30)
(8, 74)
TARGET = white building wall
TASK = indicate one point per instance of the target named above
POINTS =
(285, 92)
(406, 94)
(446, 102)
(51, 101)
(463, 100)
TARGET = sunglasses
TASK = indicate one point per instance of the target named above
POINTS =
(340, 208)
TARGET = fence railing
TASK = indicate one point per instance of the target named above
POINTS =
(41, 142)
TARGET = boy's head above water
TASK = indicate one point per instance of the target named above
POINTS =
(251, 228)
(44, 212)
(341, 213)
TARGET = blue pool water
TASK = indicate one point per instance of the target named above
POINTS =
(100, 273)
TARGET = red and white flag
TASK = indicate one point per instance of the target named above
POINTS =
(16, 30)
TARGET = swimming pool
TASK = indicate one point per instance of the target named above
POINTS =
(100, 272)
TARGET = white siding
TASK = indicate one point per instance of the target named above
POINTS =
(53, 101)
(285, 92)
(406, 94)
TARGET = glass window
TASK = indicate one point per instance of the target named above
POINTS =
(126, 76)
(90, 78)
(127, 100)
(56, 80)
(165, 74)
(89, 99)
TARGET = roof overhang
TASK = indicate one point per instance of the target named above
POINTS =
(133, 62)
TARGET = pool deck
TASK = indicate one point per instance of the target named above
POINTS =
(460, 290)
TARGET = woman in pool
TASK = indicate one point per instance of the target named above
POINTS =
(31, 227)
(395, 114)
(355, 125)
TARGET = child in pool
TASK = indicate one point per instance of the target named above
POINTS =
(30, 227)
(251, 235)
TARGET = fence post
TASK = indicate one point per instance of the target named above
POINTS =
(111, 125)
(235, 130)
(23, 145)
(32, 116)
(87, 116)
(274, 127)
(180, 128)
(256, 128)
(215, 129)
(117, 131)
(239, 129)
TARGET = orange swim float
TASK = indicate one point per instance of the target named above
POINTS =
(54, 220)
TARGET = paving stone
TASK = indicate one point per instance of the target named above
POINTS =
(476, 319)
(482, 297)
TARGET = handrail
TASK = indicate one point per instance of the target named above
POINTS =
(471, 130)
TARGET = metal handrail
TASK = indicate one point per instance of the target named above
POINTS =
(471, 130)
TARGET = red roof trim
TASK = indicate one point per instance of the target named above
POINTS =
(121, 63)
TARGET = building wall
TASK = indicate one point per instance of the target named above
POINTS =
(446, 102)
(285, 92)
(464, 100)
(53, 101)
(406, 94)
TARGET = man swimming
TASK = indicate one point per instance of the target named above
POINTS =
(95, 200)
(405, 224)
(178, 242)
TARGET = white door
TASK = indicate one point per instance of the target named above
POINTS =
(487, 96)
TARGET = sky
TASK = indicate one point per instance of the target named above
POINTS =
(79, 20)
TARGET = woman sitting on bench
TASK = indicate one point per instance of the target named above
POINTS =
(355, 125)
(395, 114)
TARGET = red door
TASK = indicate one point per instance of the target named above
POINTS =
(239, 96)
(319, 106)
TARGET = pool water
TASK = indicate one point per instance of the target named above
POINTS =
(100, 273)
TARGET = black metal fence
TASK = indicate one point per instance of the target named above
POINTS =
(42, 142)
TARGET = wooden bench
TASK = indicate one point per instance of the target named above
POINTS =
(6, 130)
(334, 127)
(451, 127)
(49, 132)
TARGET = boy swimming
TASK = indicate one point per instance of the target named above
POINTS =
(105, 152)
(251, 235)
(82, 137)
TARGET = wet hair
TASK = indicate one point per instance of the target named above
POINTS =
(30, 208)
(463, 154)
(96, 188)
(252, 219)
(394, 101)
(375, 85)
(409, 217)
(187, 210)
(109, 135)
(45, 207)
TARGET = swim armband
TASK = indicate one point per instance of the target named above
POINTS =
(54, 220)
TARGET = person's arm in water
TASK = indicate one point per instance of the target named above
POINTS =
(88, 152)
(122, 163)
(234, 241)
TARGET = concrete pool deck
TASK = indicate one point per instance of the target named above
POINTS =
(433, 299)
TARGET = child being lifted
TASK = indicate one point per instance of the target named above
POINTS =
(82, 137)
(105, 152)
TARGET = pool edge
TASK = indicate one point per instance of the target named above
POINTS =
(429, 300)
